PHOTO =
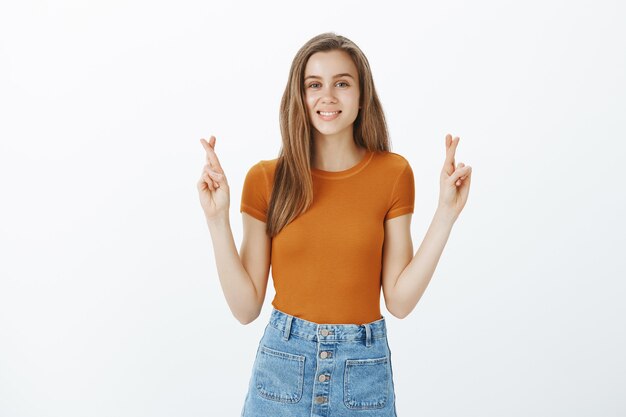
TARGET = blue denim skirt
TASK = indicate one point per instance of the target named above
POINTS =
(307, 369)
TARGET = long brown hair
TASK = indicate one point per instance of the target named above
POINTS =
(292, 192)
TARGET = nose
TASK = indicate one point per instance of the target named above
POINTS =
(329, 100)
(327, 95)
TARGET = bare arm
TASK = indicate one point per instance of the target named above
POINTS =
(243, 278)
(237, 286)
(410, 285)
(406, 290)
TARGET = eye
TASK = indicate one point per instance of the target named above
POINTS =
(340, 82)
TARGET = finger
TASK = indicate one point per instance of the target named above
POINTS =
(209, 178)
(211, 142)
(206, 177)
(209, 183)
(216, 177)
(208, 148)
(461, 171)
(202, 185)
(205, 144)
(450, 150)
(466, 180)
(211, 155)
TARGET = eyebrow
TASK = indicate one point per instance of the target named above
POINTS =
(343, 74)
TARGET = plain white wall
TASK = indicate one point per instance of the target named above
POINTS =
(110, 303)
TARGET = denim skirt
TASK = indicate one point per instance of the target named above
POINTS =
(307, 369)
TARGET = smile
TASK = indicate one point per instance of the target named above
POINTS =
(329, 115)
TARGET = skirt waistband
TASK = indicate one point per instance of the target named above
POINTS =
(309, 330)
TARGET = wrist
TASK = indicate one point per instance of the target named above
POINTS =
(446, 214)
(218, 220)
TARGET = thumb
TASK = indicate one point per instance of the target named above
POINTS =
(459, 172)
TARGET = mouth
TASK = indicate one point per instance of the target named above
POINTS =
(328, 115)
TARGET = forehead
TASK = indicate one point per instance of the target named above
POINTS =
(329, 63)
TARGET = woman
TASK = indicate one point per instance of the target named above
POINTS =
(332, 216)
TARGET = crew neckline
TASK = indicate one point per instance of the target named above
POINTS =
(346, 172)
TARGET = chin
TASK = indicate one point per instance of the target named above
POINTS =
(329, 132)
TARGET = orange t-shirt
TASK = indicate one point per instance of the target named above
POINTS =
(327, 263)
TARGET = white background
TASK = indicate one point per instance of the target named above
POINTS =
(110, 303)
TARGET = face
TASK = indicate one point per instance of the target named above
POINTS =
(331, 84)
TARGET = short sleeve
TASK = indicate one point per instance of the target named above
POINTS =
(402, 195)
(254, 194)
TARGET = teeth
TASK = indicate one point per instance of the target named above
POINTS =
(326, 113)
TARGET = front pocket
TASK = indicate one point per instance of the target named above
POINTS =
(366, 383)
(279, 376)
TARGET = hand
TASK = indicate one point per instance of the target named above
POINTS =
(212, 186)
(454, 182)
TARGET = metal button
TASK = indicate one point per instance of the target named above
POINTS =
(323, 378)
(320, 400)
(324, 332)
(324, 354)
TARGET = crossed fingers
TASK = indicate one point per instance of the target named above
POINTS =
(211, 156)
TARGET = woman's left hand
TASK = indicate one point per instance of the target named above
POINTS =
(455, 181)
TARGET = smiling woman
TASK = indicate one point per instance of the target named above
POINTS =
(331, 215)
(332, 95)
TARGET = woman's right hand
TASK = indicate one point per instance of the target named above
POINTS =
(212, 186)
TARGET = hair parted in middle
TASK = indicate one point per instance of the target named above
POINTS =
(292, 191)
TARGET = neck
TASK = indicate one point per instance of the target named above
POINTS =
(335, 152)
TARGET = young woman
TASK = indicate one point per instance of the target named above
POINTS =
(332, 216)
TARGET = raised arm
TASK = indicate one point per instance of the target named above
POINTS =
(239, 276)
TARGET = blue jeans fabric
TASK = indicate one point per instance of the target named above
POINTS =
(307, 369)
